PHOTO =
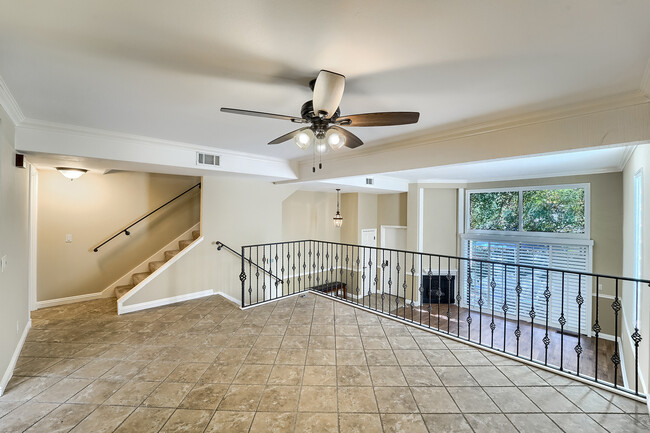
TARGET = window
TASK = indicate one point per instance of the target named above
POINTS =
(555, 210)
(545, 227)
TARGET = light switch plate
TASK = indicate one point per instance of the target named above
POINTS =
(68, 238)
(3, 262)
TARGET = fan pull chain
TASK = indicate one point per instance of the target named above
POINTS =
(313, 159)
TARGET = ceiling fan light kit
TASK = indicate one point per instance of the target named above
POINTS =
(323, 116)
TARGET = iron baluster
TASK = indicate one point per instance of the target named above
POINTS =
(493, 286)
(518, 291)
(562, 321)
(532, 313)
(480, 304)
(596, 328)
(616, 306)
(546, 340)
(579, 300)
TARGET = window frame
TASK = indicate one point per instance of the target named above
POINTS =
(586, 235)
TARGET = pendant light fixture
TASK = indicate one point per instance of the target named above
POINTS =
(338, 219)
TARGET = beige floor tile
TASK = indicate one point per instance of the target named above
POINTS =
(269, 342)
(156, 371)
(64, 367)
(252, 374)
(511, 400)
(434, 400)
(348, 343)
(187, 372)
(455, 376)
(295, 342)
(104, 419)
(548, 399)
(168, 394)
(410, 357)
(350, 357)
(286, 375)
(403, 423)
(8, 406)
(242, 397)
(319, 375)
(446, 423)
(321, 357)
(380, 357)
(291, 356)
(261, 356)
(384, 375)
(587, 400)
(220, 373)
(231, 422)
(488, 376)
(322, 342)
(490, 423)
(97, 392)
(574, 422)
(62, 419)
(471, 357)
(132, 393)
(95, 368)
(24, 416)
(353, 375)
(232, 355)
(273, 422)
(204, 396)
(359, 423)
(317, 422)
(357, 399)
(63, 390)
(472, 400)
(395, 399)
(533, 423)
(622, 422)
(145, 419)
(521, 375)
(185, 420)
(26, 388)
(279, 399)
(318, 399)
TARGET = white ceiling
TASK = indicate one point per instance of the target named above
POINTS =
(162, 68)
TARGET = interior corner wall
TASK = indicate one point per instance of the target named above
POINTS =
(367, 213)
(308, 215)
(391, 211)
(350, 213)
(640, 160)
(236, 211)
(14, 244)
(93, 208)
(440, 221)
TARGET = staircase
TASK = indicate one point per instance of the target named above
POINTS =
(139, 277)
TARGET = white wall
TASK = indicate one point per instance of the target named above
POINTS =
(640, 160)
(14, 242)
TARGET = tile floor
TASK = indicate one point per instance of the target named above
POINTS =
(302, 364)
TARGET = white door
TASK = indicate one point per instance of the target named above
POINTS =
(368, 254)
(394, 238)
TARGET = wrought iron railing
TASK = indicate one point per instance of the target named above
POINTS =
(580, 323)
(220, 245)
(126, 229)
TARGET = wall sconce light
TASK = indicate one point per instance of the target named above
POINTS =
(71, 173)
(338, 219)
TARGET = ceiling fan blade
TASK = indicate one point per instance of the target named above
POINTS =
(379, 119)
(328, 91)
(287, 136)
(351, 140)
(262, 114)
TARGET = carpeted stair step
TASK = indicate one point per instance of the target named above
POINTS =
(184, 243)
(196, 234)
(171, 253)
(139, 277)
(154, 266)
(121, 290)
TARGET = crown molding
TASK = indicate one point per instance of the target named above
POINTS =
(9, 103)
(629, 150)
(601, 105)
(92, 133)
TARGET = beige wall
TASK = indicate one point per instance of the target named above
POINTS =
(350, 213)
(93, 208)
(14, 241)
(440, 221)
(367, 213)
(308, 215)
(640, 160)
(236, 211)
(391, 211)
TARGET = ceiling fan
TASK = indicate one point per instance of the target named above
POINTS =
(323, 119)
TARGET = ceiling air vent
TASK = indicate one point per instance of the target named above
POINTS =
(207, 159)
(370, 181)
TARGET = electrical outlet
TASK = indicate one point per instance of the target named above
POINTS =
(68, 238)
(3, 262)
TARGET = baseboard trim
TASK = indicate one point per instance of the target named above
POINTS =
(230, 298)
(12, 364)
(165, 301)
(70, 300)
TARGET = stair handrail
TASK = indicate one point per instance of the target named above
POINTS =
(221, 245)
(126, 230)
